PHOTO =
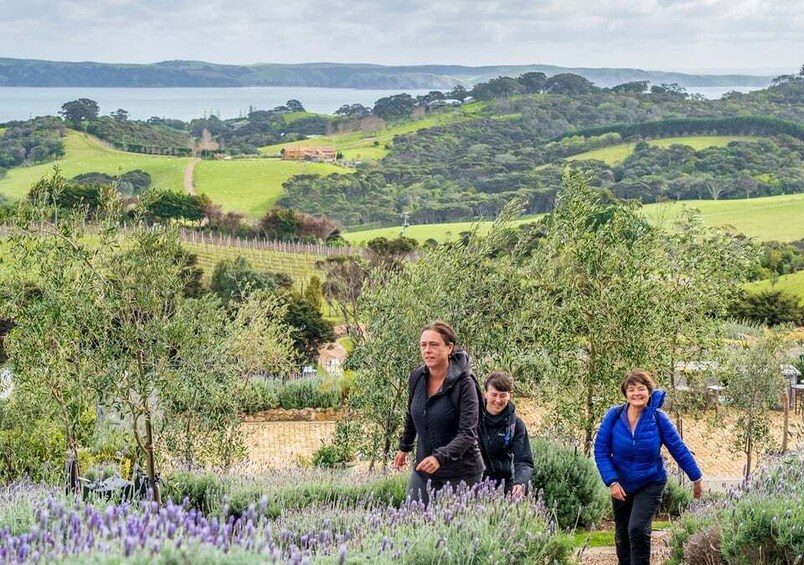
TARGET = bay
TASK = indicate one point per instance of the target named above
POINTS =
(22, 103)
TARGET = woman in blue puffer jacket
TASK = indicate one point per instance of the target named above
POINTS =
(628, 456)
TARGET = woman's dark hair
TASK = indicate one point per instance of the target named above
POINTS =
(445, 330)
(500, 380)
(638, 377)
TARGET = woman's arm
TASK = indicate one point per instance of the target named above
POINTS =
(603, 443)
(523, 456)
(677, 448)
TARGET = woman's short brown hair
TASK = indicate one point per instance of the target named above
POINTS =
(500, 380)
(638, 376)
(444, 329)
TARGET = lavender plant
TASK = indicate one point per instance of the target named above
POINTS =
(762, 522)
(474, 525)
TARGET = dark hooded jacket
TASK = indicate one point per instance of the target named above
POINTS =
(446, 423)
(506, 447)
(634, 459)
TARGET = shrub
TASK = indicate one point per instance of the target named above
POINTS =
(570, 483)
(676, 498)
(758, 524)
(307, 392)
(35, 451)
(202, 491)
(474, 526)
(312, 392)
(693, 528)
(342, 448)
(764, 530)
(258, 395)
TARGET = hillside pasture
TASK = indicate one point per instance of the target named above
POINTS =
(251, 186)
(616, 154)
(768, 218)
(793, 284)
(370, 145)
(84, 153)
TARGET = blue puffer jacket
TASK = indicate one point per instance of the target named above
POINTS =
(634, 460)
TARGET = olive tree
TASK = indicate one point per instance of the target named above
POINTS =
(755, 384)
(594, 304)
(609, 291)
(104, 317)
(700, 271)
(460, 283)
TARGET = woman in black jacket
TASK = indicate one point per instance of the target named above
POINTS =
(443, 412)
(504, 437)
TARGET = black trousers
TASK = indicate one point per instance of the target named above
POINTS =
(632, 523)
(417, 485)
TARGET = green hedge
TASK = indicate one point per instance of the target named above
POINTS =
(570, 484)
(308, 392)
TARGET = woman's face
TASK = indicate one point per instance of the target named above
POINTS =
(435, 351)
(637, 395)
(496, 400)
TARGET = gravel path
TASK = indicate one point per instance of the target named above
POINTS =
(607, 555)
(189, 187)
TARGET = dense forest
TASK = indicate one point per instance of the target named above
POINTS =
(473, 168)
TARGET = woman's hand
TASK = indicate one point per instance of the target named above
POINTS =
(517, 491)
(697, 488)
(617, 491)
(401, 459)
(428, 465)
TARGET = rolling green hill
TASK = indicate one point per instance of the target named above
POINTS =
(84, 153)
(251, 186)
(769, 218)
(371, 145)
(618, 153)
(794, 284)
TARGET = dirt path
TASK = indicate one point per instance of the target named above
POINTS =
(660, 551)
(189, 187)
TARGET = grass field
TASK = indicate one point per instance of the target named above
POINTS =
(794, 284)
(85, 154)
(769, 218)
(251, 186)
(370, 146)
(618, 153)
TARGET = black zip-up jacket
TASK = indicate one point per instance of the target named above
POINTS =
(446, 423)
(506, 447)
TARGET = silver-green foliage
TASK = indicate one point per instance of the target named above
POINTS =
(102, 318)
(459, 283)
(597, 292)
(755, 385)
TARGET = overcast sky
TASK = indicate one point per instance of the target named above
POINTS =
(757, 36)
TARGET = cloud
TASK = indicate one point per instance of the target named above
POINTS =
(634, 33)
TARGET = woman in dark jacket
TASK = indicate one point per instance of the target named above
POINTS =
(443, 411)
(627, 453)
(504, 438)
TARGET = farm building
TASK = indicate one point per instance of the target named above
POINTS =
(302, 152)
